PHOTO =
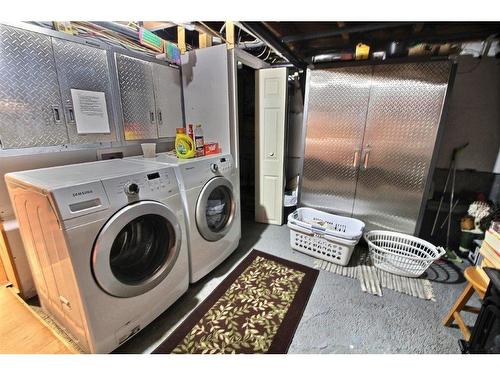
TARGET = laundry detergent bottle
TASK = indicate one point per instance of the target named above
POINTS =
(184, 144)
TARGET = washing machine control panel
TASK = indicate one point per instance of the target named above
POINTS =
(154, 184)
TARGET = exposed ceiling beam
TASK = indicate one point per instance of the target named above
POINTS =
(263, 33)
(204, 28)
(350, 30)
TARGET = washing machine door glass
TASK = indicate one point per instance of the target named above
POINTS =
(215, 209)
(136, 249)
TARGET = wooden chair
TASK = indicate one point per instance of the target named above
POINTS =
(475, 283)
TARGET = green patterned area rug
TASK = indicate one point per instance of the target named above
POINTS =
(256, 309)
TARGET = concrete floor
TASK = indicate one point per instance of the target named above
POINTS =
(339, 317)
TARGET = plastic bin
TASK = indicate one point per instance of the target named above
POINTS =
(324, 236)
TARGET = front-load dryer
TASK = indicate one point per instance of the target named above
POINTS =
(210, 188)
(106, 242)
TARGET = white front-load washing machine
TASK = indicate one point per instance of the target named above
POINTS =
(106, 242)
(210, 188)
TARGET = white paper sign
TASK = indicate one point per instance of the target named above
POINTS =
(91, 114)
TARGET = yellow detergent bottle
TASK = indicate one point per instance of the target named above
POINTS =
(184, 144)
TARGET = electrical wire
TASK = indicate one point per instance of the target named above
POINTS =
(263, 51)
(268, 53)
(87, 29)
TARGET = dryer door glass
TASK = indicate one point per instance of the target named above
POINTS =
(218, 208)
(136, 249)
(215, 209)
(141, 248)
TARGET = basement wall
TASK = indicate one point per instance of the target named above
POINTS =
(474, 116)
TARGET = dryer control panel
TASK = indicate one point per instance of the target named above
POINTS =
(198, 172)
(221, 165)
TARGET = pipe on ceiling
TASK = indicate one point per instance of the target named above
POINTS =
(127, 31)
(263, 33)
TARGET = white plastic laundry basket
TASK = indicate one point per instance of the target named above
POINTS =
(322, 222)
(401, 254)
(324, 236)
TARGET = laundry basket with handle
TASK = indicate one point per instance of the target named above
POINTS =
(330, 224)
(324, 236)
(401, 254)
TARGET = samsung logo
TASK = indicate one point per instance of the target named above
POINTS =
(80, 193)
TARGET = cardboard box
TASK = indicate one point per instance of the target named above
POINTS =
(212, 148)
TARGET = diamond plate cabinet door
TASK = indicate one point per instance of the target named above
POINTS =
(30, 102)
(336, 115)
(168, 97)
(404, 113)
(137, 98)
(84, 68)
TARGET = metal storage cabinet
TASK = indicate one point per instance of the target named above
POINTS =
(168, 98)
(137, 97)
(84, 68)
(30, 102)
(371, 134)
(403, 118)
(337, 102)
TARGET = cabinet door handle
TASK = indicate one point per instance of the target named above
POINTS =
(152, 116)
(367, 158)
(159, 117)
(71, 113)
(56, 114)
(355, 160)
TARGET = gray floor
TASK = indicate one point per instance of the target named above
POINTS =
(339, 317)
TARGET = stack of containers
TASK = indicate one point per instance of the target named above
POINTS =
(324, 236)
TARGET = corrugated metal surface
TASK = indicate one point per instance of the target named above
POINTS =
(338, 99)
(168, 97)
(137, 96)
(29, 91)
(405, 108)
(391, 113)
(84, 68)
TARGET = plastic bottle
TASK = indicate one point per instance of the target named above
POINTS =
(184, 145)
(190, 131)
(198, 140)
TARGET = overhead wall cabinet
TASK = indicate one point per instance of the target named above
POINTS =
(30, 101)
(371, 135)
(151, 98)
(39, 69)
(137, 98)
(168, 97)
(84, 68)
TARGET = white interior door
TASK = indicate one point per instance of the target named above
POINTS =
(270, 116)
